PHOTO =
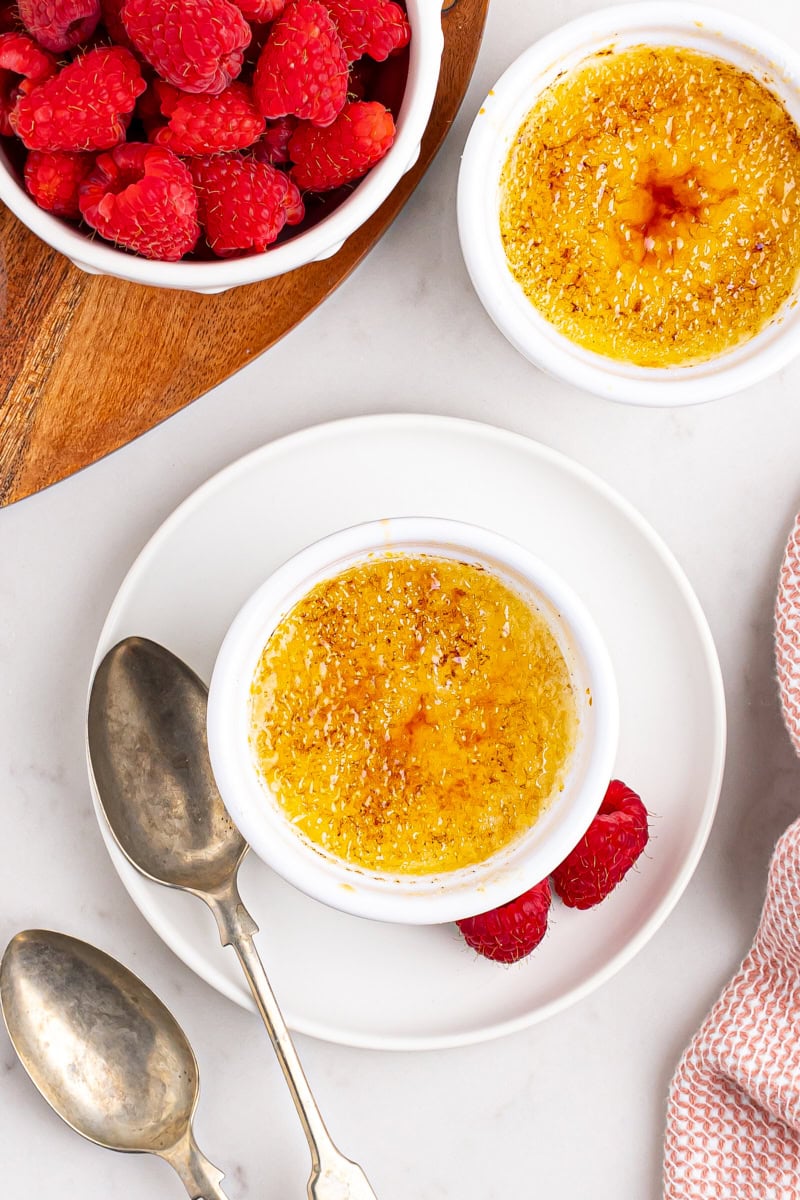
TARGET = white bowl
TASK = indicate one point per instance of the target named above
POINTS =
(409, 899)
(688, 25)
(323, 240)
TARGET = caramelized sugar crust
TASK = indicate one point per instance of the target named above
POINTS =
(650, 205)
(413, 714)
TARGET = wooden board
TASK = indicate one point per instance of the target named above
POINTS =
(88, 363)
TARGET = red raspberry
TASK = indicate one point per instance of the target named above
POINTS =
(84, 106)
(327, 158)
(197, 45)
(607, 851)
(302, 70)
(53, 178)
(273, 147)
(201, 125)
(373, 27)
(261, 11)
(23, 65)
(60, 24)
(142, 197)
(506, 934)
(244, 204)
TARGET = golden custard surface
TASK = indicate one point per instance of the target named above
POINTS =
(413, 714)
(650, 206)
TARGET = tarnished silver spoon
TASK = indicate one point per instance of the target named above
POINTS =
(149, 757)
(104, 1052)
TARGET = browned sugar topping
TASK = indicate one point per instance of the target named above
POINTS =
(412, 714)
(650, 206)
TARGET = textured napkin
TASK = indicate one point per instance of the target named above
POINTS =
(733, 1122)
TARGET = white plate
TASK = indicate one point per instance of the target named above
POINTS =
(396, 987)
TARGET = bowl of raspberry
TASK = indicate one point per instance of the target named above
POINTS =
(205, 144)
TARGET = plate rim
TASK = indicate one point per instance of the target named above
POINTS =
(136, 884)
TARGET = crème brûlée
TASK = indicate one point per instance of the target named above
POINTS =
(412, 714)
(650, 205)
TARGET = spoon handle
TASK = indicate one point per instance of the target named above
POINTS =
(199, 1176)
(319, 1139)
(333, 1177)
(236, 928)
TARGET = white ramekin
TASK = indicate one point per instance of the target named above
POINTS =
(428, 899)
(97, 257)
(704, 29)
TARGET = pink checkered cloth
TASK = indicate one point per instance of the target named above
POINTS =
(733, 1122)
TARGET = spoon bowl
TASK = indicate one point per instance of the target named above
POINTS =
(147, 739)
(103, 1051)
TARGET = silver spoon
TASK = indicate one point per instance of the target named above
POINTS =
(104, 1052)
(149, 756)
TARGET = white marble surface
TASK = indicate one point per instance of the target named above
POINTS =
(573, 1107)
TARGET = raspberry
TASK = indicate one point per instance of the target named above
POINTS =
(84, 106)
(60, 24)
(22, 66)
(142, 197)
(373, 27)
(506, 934)
(244, 204)
(197, 45)
(606, 852)
(273, 147)
(327, 158)
(53, 178)
(302, 70)
(261, 11)
(201, 125)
